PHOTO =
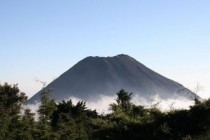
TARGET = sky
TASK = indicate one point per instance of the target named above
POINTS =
(42, 39)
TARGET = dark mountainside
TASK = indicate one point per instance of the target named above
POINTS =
(94, 76)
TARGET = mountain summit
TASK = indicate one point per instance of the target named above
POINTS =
(95, 76)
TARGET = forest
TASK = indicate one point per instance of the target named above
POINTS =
(127, 121)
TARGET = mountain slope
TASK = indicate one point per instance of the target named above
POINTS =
(94, 76)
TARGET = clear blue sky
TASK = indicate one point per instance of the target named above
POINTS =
(44, 38)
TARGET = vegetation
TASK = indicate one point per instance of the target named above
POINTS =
(64, 120)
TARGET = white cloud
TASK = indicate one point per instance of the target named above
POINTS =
(101, 104)
(164, 104)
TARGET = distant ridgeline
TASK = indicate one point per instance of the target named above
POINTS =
(95, 76)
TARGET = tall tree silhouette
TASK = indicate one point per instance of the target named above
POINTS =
(45, 111)
(123, 99)
(11, 103)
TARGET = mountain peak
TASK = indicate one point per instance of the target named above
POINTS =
(122, 55)
(95, 76)
(119, 55)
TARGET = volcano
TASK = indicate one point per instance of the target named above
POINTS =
(95, 76)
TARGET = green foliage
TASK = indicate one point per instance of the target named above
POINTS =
(11, 103)
(45, 111)
(27, 127)
(123, 99)
(67, 121)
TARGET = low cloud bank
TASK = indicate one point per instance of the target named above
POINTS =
(164, 104)
(101, 103)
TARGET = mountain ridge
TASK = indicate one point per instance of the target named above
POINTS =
(94, 76)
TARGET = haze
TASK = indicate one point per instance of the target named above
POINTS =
(42, 39)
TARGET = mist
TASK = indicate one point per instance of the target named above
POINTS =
(102, 102)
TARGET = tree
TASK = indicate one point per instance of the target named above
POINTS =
(45, 111)
(138, 111)
(70, 120)
(11, 102)
(27, 127)
(123, 99)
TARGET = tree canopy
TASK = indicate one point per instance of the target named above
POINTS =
(65, 120)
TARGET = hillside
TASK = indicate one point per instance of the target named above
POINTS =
(95, 76)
